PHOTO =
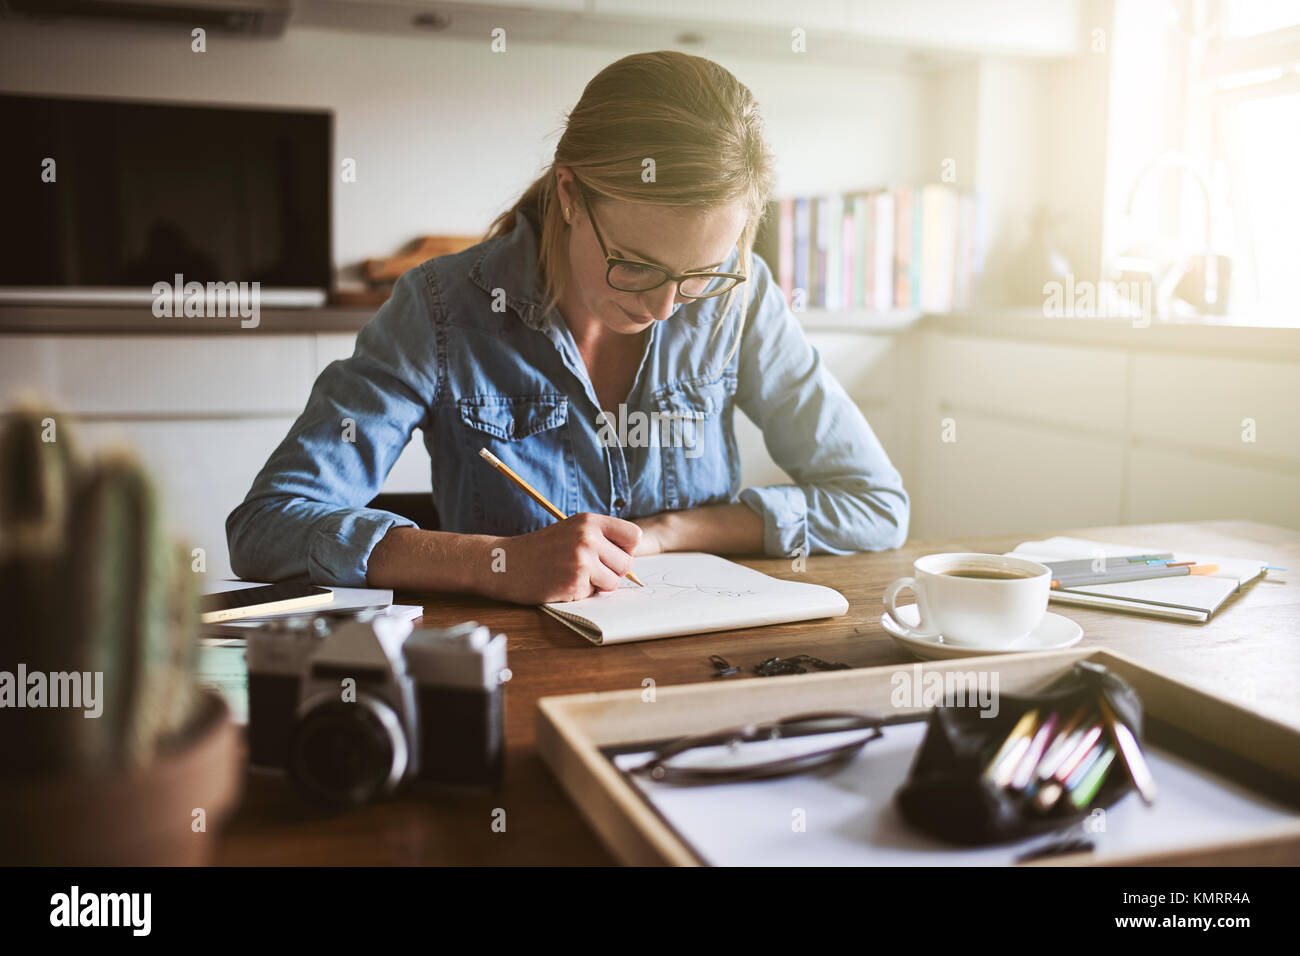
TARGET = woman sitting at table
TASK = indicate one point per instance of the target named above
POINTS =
(598, 342)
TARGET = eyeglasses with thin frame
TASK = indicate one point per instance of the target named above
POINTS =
(661, 768)
(630, 275)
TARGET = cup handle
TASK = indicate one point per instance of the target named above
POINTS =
(891, 605)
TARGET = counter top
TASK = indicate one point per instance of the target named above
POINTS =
(1216, 337)
(140, 320)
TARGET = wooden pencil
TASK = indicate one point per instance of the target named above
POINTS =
(536, 495)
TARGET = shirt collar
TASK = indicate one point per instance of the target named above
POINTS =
(510, 264)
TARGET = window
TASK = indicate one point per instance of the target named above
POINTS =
(1245, 126)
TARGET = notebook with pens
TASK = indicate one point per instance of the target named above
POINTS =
(1182, 598)
(690, 593)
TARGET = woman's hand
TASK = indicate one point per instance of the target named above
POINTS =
(567, 561)
(655, 538)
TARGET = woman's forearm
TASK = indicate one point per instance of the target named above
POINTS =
(717, 529)
(415, 560)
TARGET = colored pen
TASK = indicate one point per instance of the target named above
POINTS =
(1008, 756)
(1130, 753)
(1062, 739)
(1076, 776)
(1080, 751)
(1029, 763)
(1069, 735)
(1073, 565)
(1139, 573)
(1045, 790)
(1082, 794)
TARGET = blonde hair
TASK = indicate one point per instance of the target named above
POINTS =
(701, 127)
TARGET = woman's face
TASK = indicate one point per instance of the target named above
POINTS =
(674, 237)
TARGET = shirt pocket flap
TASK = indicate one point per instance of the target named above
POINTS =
(512, 418)
(694, 400)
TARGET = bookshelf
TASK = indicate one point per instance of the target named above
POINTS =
(889, 252)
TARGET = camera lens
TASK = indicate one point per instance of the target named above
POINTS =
(348, 753)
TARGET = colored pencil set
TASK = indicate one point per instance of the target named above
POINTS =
(1059, 760)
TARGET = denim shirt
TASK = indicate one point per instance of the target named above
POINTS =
(465, 351)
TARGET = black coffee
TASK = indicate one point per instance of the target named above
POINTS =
(987, 575)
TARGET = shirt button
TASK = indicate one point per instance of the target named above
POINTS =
(620, 503)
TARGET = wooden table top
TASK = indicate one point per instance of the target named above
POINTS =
(1249, 652)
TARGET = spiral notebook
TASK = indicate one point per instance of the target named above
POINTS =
(691, 593)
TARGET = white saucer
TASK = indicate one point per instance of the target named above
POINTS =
(1053, 633)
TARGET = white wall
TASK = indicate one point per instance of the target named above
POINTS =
(1032, 137)
(446, 133)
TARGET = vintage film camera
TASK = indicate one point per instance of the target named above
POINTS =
(352, 708)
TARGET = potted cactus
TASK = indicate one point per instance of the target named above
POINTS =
(113, 752)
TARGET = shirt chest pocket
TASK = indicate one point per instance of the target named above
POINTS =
(530, 434)
(696, 441)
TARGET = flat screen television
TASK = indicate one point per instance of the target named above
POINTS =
(102, 198)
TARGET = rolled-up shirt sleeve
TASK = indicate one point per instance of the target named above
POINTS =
(847, 495)
(305, 515)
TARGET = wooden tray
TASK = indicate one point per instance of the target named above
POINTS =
(572, 731)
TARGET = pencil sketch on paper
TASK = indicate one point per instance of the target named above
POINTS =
(659, 585)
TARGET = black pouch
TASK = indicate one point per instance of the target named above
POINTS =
(946, 795)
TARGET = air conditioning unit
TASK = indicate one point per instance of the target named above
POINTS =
(263, 17)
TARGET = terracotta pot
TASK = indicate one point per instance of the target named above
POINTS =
(145, 818)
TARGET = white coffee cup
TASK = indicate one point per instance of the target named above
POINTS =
(971, 610)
